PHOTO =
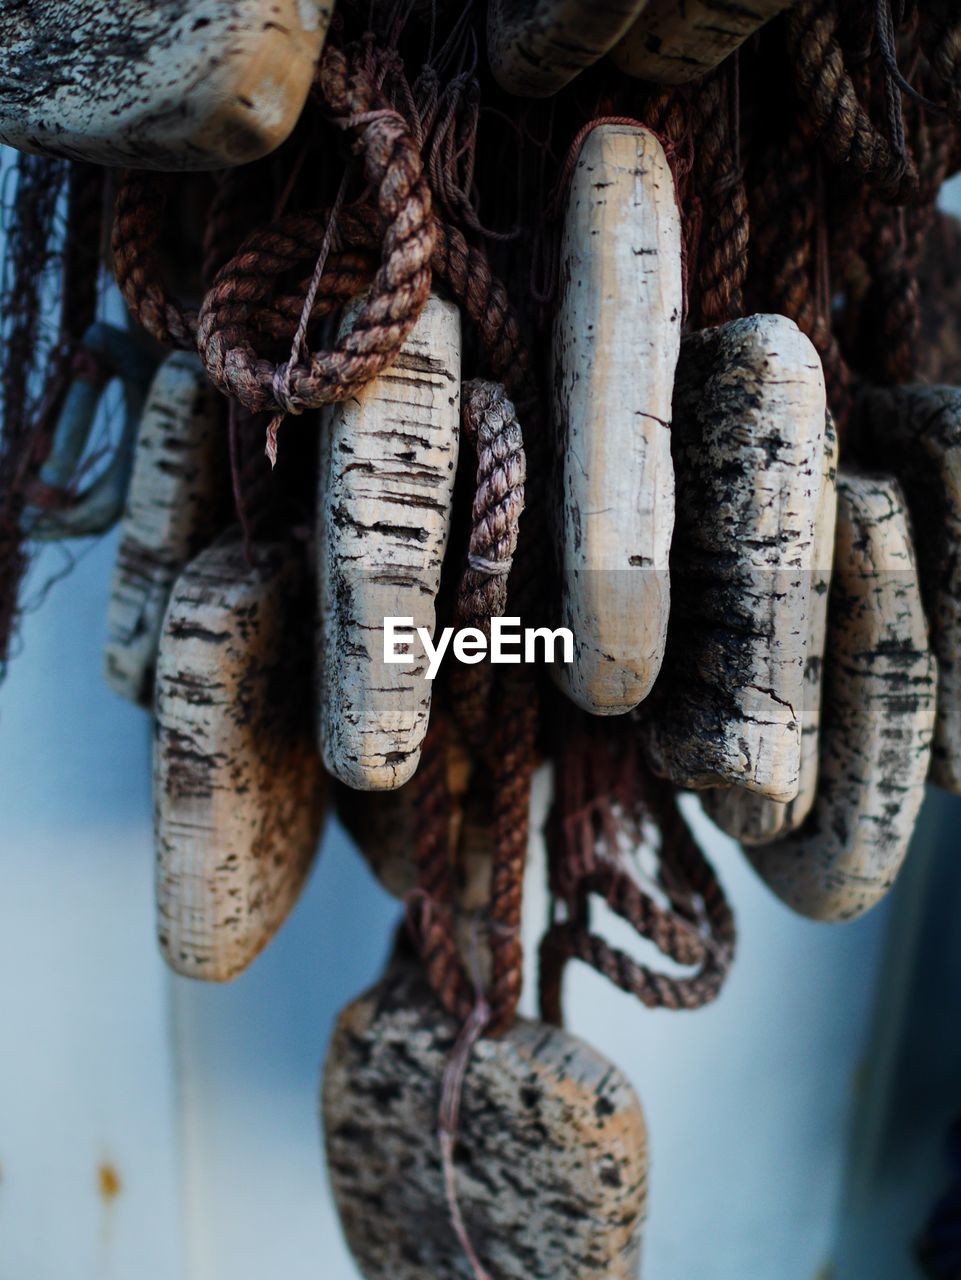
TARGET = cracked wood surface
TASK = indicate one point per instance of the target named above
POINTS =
(388, 461)
(880, 687)
(551, 1153)
(238, 787)
(536, 47)
(177, 501)
(186, 84)
(675, 41)
(916, 432)
(615, 345)
(748, 440)
(752, 818)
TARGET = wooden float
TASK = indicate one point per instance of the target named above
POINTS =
(880, 690)
(916, 432)
(676, 41)
(616, 339)
(748, 438)
(186, 84)
(389, 456)
(238, 787)
(745, 815)
(551, 1148)
(177, 501)
(536, 47)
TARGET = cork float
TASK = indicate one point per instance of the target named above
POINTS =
(615, 346)
(674, 43)
(539, 1109)
(916, 431)
(536, 47)
(194, 84)
(176, 503)
(389, 457)
(880, 688)
(752, 818)
(238, 787)
(749, 415)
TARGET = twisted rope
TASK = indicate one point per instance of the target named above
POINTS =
(571, 939)
(137, 222)
(400, 288)
(719, 180)
(489, 425)
(833, 109)
(604, 800)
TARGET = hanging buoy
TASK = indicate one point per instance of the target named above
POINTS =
(536, 47)
(749, 413)
(674, 42)
(389, 456)
(205, 85)
(550, 1163)
(176, 502)
(752, 818)
(238, 788)
(616, 339)
(916, 431)
(880, 688)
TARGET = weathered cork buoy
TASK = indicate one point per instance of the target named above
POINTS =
(176, 503)
(550, 1157)
(238, 787)
(879, 701)
(748, 438)
(389, 457)
(199, 85)
(753, 818)
(674, 43)
(917, 432)
(616, 338)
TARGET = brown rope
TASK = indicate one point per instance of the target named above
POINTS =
(604, 801)
(570, 940)
(138, 218)
(489, 425)
(432, 909)
(787, 259)
(719, 182)
(512, 764)
(940, 34)
(833, 109)
(399, 291)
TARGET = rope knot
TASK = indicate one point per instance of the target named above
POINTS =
(490, 568)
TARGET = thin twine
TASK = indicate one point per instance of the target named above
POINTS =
(240, 505)
(888, 50)
(298, 347)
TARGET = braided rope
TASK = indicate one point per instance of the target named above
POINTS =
(400, 288)
(489, 424)
(138, 217)
(714, 954)
(941, 40)
(433, 907)
(512, 763)
(722, 262)
(605, 799)
(784, 249)
(829, 98)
